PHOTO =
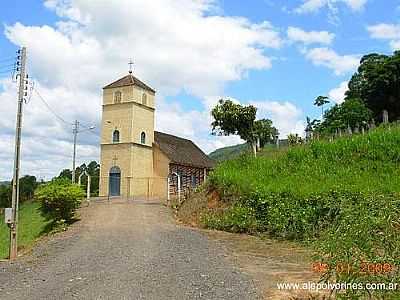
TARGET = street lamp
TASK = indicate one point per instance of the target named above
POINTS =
(75, 131)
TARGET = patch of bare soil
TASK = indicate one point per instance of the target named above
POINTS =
(270, 262)
(267, 261)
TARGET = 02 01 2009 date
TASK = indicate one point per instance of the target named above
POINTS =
(347, 268)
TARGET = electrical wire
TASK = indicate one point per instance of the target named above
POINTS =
(49, 108)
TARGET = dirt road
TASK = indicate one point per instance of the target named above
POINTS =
(126, 251)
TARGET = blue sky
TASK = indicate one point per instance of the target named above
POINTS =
(277, 55)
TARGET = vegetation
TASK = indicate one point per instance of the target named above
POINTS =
(232, 118)
(59, 200)
(32, 225)
(93, 169)
(352, 114)
(230, 152)
(377, 83)
(343, 197)
(27, 187)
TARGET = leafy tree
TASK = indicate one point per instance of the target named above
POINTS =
(352, 112)
(294, 139)
(27, 186)
(5, 195)
(93, 169)
(66, 173)
(264, 130)
(232, 118)
(320, 101)
(377, 83)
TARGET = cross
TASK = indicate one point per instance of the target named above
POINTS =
(130, 66)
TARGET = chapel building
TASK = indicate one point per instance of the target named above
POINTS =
(136, 160)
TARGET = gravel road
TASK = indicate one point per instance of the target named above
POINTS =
(126, 250)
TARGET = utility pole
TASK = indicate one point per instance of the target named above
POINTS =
(15, 186)
(75, 131)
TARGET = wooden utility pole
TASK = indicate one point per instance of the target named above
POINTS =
(15, 186)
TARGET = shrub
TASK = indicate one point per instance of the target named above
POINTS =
(343, 197)
(237, 219)
(59, 200)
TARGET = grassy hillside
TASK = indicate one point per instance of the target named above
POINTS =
(31, 226)
(230, 152)
(343, 197)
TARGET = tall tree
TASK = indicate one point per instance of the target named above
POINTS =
(320, 101)
(235, 119)
(377, 83)
(352, 112)
(264, 130)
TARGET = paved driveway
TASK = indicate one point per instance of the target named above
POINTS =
(125, 251)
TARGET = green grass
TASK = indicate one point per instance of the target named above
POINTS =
(342, 197)
(31, 226)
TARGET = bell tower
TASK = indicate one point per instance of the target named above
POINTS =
(127, 136)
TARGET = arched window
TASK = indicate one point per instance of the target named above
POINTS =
(143, 138)
(116, 136)
(144, 99)
(117, 97)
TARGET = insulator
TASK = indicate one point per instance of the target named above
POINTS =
(17, 69)
(19, 57)
(19, 51)
(18, 63)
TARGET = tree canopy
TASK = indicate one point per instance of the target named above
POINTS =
(351, 113)
(235, 119)
(377, 84)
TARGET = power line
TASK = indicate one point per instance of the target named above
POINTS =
(50, 109)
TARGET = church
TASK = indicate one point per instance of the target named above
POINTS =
(136, 160)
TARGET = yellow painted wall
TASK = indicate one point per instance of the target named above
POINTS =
(130, 118)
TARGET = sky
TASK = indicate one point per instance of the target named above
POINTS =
(276, 55)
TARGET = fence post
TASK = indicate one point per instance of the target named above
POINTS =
(88, 188)
(168, 195)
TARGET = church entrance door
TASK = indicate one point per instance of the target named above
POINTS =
(115, 181)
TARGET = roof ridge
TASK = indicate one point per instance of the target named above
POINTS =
(129, 80)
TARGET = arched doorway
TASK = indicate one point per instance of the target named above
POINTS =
(115, 181)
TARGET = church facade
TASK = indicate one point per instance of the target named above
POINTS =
(136, 160)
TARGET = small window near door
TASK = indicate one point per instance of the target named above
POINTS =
(116, 136)
(143, 138)
(117, 97)
(144, 99)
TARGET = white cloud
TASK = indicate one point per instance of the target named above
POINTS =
(296, 34)
(310, 6)
(389, 32)
(337, 94)
(177, 45)
(326, 57)
(285, 116)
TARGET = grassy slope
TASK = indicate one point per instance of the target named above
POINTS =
(362, 163)
(31, 226)
(230, 152)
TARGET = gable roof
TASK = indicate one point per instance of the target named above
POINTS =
(129, 80)
(182, 151)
